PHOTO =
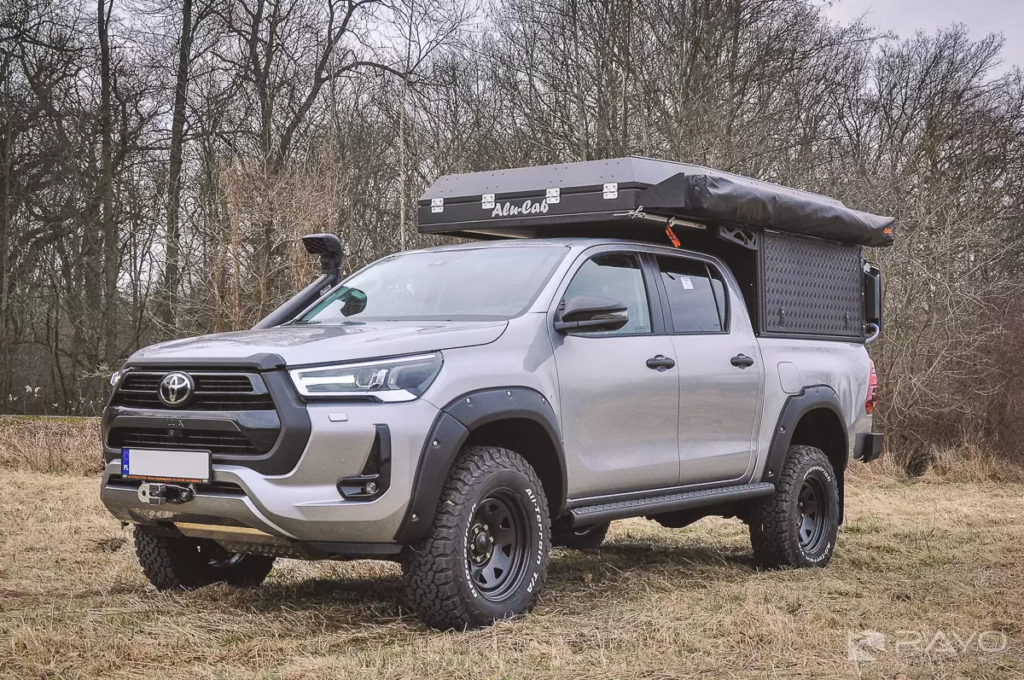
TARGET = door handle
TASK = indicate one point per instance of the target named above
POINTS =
(742, 361)
(660, 363)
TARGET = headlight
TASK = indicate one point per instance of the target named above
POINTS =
(399, 379)
(115, 378)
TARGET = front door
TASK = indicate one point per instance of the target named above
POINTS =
(718, 368)
(619, 414)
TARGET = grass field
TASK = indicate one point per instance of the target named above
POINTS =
(928, 565)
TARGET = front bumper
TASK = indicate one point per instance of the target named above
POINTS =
(304, 506)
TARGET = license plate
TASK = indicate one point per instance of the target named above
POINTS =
(171, 466)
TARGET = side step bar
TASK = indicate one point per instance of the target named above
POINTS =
(605, 512)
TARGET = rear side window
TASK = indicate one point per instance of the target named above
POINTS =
(617, 276)
(696, 295)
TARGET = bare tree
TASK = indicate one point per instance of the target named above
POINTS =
(159, 159)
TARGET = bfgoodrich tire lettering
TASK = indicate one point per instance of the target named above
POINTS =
(797, 526)
(486, 556)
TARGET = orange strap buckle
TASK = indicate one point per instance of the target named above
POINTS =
(672, 236)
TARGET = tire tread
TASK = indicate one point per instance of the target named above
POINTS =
(429, 573)
(172, 563)
(769, 519)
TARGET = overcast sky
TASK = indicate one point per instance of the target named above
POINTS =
(981, 17)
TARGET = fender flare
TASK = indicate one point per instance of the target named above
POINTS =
(795, 408)
(452, 427)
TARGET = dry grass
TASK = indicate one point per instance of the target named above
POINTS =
(654, 602)
(61, 445)
(965, 464)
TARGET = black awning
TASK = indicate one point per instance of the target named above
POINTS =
(739, 201)
(599, 198)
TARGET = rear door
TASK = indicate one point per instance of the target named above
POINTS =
(718, 369)
(619, 402)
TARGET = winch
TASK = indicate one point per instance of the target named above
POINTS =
(153, 493)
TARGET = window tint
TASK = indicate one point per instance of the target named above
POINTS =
(696, 295)
(617, 276)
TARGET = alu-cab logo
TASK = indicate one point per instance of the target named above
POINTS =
(527, 207)
(175, 388)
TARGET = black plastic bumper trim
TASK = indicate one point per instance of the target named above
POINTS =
(869, 446)
(377, 469)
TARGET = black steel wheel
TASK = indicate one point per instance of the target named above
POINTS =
(812, 504)
(485, 557)
(498, 545)
(798, 525)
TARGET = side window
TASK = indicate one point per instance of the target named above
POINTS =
(617, 276)
(696, 295)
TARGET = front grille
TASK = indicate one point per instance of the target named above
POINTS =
(216, 441)
(242, 415)
(213, 392)
(145, 382)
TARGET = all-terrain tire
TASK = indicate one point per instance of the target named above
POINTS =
(797, 526)
(178, 563)
(581, 538)
(451, 578)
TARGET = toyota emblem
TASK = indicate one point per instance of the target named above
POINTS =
(175, 389)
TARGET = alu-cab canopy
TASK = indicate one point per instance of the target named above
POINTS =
(632, 197)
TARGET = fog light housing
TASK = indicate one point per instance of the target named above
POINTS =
(375, 478)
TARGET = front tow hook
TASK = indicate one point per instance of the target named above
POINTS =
(152, 493)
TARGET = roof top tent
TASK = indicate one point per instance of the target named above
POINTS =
(797, 255)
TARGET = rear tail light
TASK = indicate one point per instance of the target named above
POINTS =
(872, 398)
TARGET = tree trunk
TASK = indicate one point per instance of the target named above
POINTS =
(108, 225)
(6, 164)
(171, 267)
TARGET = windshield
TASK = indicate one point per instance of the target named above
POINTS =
(449, 285)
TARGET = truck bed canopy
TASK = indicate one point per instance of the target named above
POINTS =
(605, 198)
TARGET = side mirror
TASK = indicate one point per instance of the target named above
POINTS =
(593, 314)
(355, 302)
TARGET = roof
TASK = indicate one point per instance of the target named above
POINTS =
(603, 198)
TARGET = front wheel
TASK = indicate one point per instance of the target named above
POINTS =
(179, 563)
(797, 526)
(486, 555)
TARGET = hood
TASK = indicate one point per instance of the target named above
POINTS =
(298, 345)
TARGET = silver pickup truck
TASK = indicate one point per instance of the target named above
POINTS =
(461, 409)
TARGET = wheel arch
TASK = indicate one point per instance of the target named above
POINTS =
(814, 417)
(517, 418)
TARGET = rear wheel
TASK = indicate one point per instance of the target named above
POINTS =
(581, 538)
(797, 526)
(179, 563)
(486, 555)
